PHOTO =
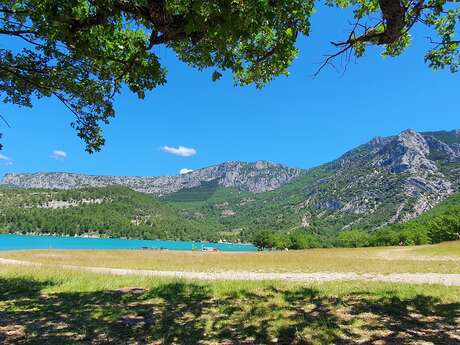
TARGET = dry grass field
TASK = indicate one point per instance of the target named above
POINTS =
(440, 258)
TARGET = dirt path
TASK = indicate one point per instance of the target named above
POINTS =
(415, 278)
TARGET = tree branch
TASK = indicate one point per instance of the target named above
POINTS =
(396, 23)
(15, 32)
(4, 120)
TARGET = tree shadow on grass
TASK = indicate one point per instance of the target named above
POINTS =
(189, 313)
(421, 319)
(278, 316)
(21, 287)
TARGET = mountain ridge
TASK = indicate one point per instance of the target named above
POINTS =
(256, 177)
(385, 181)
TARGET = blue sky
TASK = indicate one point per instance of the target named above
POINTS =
(297, 120)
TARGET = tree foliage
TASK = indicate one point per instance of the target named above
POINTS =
(83, 51)
(354, 238)
(278, 240)
(106, 212)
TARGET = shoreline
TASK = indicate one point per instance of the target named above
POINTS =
(94, 236)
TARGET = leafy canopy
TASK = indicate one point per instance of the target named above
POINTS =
(84, 51)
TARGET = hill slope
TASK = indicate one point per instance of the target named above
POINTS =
(107, 212)
(385, 181)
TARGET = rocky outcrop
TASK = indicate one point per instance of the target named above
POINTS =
(257, 177)
(407, 152)
(399, 177)
(439, 147)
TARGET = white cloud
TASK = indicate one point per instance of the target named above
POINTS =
(184, 171)
(59, 155)
(179, 151)
(6, 160)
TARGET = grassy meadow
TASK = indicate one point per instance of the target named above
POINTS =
(420, 259)
(441, 249)
(52, 306)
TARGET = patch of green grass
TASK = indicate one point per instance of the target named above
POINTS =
(49, 306)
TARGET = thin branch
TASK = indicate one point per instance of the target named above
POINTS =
(4, 120)
(330, 58)
(16, 32)
(395, 26)
(9, 11)
(24, 38)
(442, 43)
(346, 47)
(44, 87)
(64, 101)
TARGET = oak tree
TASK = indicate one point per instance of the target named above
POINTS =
(83, 51)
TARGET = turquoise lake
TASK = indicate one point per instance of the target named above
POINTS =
(17, 242)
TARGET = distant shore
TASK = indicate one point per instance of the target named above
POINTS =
(18, 233)
(21, 241)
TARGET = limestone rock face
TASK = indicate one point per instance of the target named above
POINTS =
(257, 177)
(408, 152)
(399, 177)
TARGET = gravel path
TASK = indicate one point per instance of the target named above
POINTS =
(415, 278)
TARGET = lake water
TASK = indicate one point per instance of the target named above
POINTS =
(16, 242)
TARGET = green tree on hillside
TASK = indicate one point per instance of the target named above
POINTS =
(83, 51)
(353, 238)
(444, 228)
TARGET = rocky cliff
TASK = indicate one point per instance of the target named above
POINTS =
(407, 173)
(257, 177)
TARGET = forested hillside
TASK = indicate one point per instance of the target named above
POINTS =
(107, 212)
(120, 212)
